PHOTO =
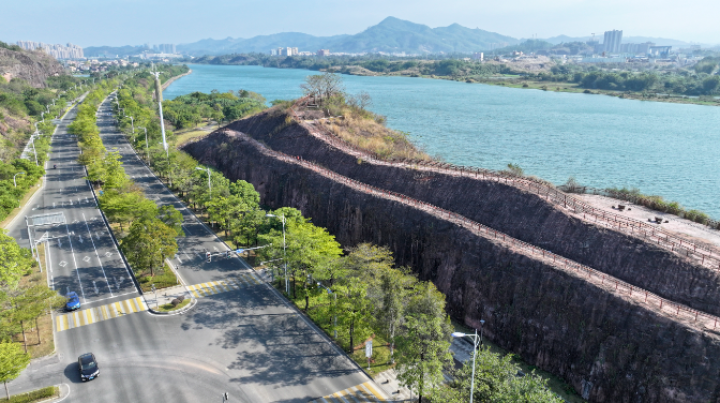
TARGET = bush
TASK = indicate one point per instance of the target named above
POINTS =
(33, 396)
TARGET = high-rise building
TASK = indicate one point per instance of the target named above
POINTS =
(323, 52)
(611, 43)
(57, 51)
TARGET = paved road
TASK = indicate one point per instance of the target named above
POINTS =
(248, 342)
(81, 254)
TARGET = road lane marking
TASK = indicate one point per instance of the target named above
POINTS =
(101, 313)
(365, 392)
(97, 254)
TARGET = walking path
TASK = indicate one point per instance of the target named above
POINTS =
(678, 312)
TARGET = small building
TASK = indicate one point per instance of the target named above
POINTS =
(323, 52)
(479, 56)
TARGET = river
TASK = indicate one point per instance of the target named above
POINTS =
(672, 150)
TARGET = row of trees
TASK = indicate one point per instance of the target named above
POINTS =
(22, 303)
(151, 236)
(191, 109)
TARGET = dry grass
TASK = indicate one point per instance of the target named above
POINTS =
(366, 132)
(46, 344)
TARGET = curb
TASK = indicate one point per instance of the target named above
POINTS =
(190, 306)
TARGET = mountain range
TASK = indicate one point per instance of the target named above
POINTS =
(392, 35)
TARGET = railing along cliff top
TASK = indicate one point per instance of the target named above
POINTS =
(668, 308)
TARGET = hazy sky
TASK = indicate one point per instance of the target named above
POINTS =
(134, 22)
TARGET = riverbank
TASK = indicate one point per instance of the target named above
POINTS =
(172, 79)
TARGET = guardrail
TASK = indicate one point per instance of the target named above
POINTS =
(607, 282)
(698, 253)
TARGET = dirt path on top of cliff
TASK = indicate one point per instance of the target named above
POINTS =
(695, 246)
(675, 224)
(671, 309)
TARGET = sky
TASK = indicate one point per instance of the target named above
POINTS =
(135, 22)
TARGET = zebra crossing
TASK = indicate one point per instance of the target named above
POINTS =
(365, 392)
(93, 315)
(236, 282)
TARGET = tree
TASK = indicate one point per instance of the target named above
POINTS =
(425, 340)
(354, 309)
(12, 362)
(126, 207)
(496, 381)
(171, 217)
(14, 261)
(148, 244)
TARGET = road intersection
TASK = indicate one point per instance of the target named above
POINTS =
(241, 337)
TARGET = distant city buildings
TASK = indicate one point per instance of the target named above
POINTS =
(323, 52)
(479, 56)
(636, 48)
(167, 48)
(94, 65)
(69, 51)
(611, 43)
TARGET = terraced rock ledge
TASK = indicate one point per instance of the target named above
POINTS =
(622, 311)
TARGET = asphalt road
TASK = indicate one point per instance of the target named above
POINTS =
(248, 342)
(81, 254)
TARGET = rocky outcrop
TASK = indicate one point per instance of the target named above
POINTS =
(32, 66)
(516, 212)
(606, 346)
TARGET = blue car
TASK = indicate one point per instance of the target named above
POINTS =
(73, 301)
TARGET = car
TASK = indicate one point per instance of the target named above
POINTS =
(88, 366)
(73, 303)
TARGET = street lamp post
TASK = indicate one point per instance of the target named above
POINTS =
(334, 307)
(32, 141)
(477, 342)
(209, 183)
(132, 122)
(287, 284)
(147, 149)
(14, 182)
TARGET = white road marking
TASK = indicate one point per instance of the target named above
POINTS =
(96, 253)
(72, 251)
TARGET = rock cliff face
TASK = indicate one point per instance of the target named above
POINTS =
(606, 346)
(34, 67)
(520, 214)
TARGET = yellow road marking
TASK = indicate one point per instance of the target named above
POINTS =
(368, 385)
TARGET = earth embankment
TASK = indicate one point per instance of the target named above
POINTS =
(607, 346)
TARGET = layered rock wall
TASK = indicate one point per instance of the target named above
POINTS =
(518, 213)
(607, 347)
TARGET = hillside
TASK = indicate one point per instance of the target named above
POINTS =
(392, 35)
(33, 67)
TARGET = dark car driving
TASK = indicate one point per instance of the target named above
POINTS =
(88, 367)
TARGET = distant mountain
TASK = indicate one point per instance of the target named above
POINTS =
(392, 35)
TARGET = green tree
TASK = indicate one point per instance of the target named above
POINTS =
(354, 309)
(171, 217)
(14, 261)
(148, 244)
(425, 340)
(123, 208)
(12, 362)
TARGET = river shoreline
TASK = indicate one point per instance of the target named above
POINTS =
(172, 79)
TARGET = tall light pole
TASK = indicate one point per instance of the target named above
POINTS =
(287, 284)
(162, 121)
(14, 182)
(477, 342)
(132, 122)
(209, 183)
(32, 141)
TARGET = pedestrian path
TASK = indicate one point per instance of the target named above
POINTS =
(235, 282)
(92, 315)
(366, 392)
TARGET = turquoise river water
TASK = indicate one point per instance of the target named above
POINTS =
(672, 150)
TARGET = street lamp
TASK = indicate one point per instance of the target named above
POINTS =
(287, 284)
(209, 183)
(14, 182)
(147, 150)
(477, 342)
(334, 307)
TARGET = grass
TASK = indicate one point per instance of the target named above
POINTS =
(554, 383)
(34, 396)
(170, 307)
(161, 280)
(46, 343)
(23, 202)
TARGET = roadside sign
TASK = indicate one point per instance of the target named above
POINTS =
(239, 251)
